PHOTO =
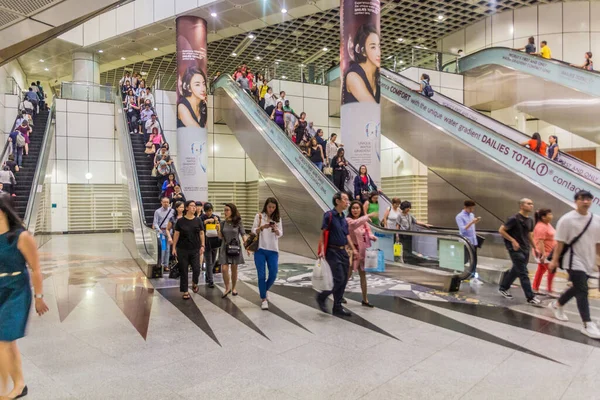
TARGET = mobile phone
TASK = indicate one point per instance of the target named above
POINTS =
(271, 223)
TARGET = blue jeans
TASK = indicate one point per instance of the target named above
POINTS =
(319, 165)
(271, 259)
(18, 152)
(164, 247)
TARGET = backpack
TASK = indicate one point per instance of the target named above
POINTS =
(427, 90)
(20, 140)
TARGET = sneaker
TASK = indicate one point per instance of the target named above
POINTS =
(591, 330)
(534, 301)
(505, 293)
(476, 281)
(264, 305)
(559, 312)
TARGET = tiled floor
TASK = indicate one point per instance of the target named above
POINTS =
(113, 334)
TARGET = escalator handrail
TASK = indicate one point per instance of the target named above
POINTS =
(533, 153)
(136, 183)
(394, 76)
(450, 236)
(40, 170)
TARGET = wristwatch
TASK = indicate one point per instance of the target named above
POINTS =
(39, 296)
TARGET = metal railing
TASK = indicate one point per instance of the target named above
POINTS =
(86, 92)
(9, 85)
(39, 177)
(421, 57)
(305, 73)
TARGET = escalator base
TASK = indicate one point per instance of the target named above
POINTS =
(439, 280)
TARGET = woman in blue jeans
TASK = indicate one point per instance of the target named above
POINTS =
(267, 224)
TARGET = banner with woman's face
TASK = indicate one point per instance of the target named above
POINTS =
(360, 60)
(192, 107)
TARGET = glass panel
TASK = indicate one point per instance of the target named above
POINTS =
(306, 73)
(86, 92)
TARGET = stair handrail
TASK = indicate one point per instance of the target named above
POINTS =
(135, 198)
(40, 173)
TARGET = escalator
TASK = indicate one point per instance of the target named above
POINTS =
(550, 90)
(304, 193)
(493, 170)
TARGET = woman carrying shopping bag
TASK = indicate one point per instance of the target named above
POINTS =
(268, 228)
(361, 235)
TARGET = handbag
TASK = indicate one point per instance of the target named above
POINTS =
(154, 172)
(211, 230)
(480, 241)
(566, 247)
(374, 261)
(322, 278)
(251, 243)
(325, 236)
(328, 170)
(233, 248)
(174, 268)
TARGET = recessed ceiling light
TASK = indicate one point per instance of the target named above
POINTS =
(144, 73)
(283, 77)
(250, 36)
(155, 49)
(46, 69)
(257, 58)
(213, 14)
(41, 60)
(279, 60)
(325, 49)
(401, 62)
(233, 54)
(400, 39)
(122, 58)
(284, 10)
(440, 17)
(100, 51)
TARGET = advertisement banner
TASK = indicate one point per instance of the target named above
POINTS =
(360, 60)
(192, 107)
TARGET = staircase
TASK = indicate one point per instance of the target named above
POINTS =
(148, 184)
(25, 175)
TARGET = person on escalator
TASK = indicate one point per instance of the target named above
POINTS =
(466, 222)
(536, 144)
(425, 86)
(277, 116)
(362, 236)
(363, 184)
(406, 222)
(543, 236)
(331, 148)
(545, 51)
(517, 232)
(529, 47)
(553, 148)
(270, 101)
(339, 164)
(391, 214)
(588, 63)
(315, 153)
(371, 207)
(300, 129)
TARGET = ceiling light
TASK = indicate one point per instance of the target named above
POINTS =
(440, 17)
(257, 58)
(388, 58)
(250, 36)
(122, 58)
(400, 39)
(144, 73)
(155, 49)
(100, 51)
(283, 77)
(401, 62)
(213, 14)
(41, 60)
(284, 10)
(233, 54)
(325, 49)
(89, 176)
(46, 69)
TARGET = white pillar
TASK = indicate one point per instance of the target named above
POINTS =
(86, 68)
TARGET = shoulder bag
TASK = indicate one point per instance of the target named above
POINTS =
(566, 247)
(326, 235)
(251, 243)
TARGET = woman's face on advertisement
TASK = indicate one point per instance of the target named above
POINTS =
(198, 86)
(373, 49)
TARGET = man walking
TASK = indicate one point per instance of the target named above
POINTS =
(578, 234)
(335, 253)
(159, 224)
(466, 225)
(518, 239)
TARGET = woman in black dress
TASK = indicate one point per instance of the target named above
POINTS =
(188, 245)
(339, 164)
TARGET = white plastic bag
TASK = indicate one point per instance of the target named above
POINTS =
(322, 279)
(371, 259)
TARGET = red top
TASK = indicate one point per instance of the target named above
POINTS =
(533, 146)
(364, 179)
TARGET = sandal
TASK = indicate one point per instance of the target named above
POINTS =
(195, 288)
(234, 293)
(226, 294)
(186, 296)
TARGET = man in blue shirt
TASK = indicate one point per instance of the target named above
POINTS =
(335, 254)
(34, 99)
(466, 222)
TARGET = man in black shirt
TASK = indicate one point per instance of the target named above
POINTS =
(518, 238)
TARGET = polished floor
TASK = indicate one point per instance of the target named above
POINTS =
(113, 334)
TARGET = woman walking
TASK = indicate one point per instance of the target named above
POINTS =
(371, 206)
(188, 245)
(543, 238)
(339, 164)
(212, 241)
(230, 255)
(17, 250)
(267, 225)
(363, 185)
(361, 235)
(391, 214)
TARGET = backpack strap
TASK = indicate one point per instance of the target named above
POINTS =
(576, 239)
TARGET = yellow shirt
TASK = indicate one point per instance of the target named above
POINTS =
(545, 52)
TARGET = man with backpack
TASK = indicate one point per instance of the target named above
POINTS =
(18, 144)
(577, 236)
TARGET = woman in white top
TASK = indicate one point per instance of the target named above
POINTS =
(270, 101)
(391, 214)
(268, 226)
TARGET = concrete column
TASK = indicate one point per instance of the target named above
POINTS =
(86, 68)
